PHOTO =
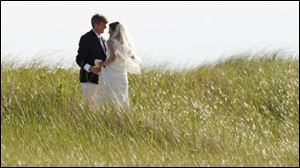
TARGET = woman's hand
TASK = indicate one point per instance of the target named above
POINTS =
(95, 69)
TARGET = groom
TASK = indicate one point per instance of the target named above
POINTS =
(91, 47)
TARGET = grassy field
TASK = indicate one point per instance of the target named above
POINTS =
(241, 111)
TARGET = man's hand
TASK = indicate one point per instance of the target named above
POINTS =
(95, 69)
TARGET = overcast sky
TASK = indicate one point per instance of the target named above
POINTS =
(176, 33)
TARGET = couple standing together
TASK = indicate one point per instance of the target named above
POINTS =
(104, 64)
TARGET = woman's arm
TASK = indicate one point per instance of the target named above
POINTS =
(112, 57)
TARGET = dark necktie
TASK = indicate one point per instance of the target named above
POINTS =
(101, 43)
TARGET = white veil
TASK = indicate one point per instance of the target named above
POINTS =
(124, 49)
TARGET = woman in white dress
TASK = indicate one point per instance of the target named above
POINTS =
(121, 59)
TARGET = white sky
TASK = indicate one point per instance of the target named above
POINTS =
(177, 33)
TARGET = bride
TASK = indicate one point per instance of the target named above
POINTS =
(121, 59)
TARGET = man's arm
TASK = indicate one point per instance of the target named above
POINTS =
(82, 54)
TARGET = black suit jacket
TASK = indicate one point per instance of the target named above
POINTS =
(89, 50)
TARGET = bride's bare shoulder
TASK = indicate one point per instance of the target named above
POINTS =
(112, 42)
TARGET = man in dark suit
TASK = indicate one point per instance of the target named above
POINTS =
(91, 47)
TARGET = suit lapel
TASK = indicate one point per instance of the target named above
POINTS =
(98, 42)
(103, 44)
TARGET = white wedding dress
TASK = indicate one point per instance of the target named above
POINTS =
(113, 84)
(113, 80)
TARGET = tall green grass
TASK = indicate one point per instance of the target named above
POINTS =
(242, 111)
